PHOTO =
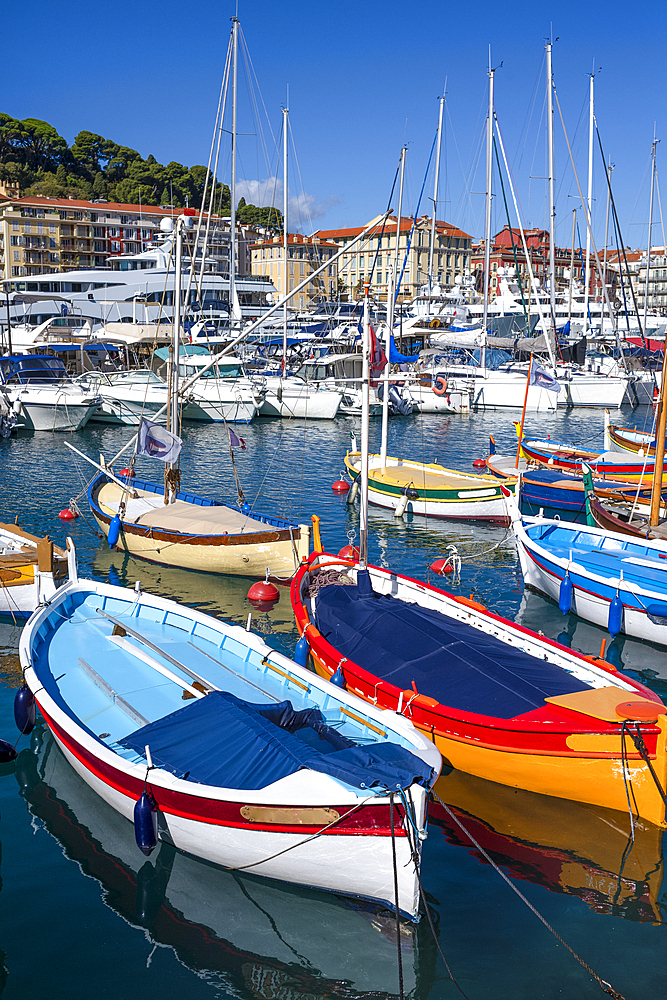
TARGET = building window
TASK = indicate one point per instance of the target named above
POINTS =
(115, 246)
(15, 225)
(52, 227)
(27, 227)
(114, 232)
(77, 215)
(17, 255)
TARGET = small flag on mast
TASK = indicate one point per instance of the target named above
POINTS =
(538, 376)
(156, 441)
(235, 441)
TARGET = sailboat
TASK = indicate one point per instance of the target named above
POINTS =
(498, 700)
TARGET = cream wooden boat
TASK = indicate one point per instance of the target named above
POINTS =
(196, 533)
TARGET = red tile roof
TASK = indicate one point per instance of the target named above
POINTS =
(443, 228)
(102, 206)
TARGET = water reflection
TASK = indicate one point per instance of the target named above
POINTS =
(246, 935)
(566, 847)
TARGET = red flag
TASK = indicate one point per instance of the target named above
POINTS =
(378, 359)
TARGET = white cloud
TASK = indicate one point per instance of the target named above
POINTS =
(304, 208)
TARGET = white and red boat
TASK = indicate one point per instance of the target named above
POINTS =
(211, 740)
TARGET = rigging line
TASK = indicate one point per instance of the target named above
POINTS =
(662, 221)
(216, 127)
(516, 262)
(640, 192)
(525, 128)
(538, 134)
(622, 246)
(605, 986)
(255, 108)
(414, 218)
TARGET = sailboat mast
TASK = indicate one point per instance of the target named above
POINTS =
(569, 293)
(285, 121)
(232, 189)
(552, 206)
(365, 400)
(656, 492)
(176, 335)
(650, 232)
(436, 182)
(487, 215)
(392, 290)
(589, 197)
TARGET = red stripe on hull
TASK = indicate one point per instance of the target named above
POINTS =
(369, 820)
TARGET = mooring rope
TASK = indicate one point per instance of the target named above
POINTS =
(604, 986)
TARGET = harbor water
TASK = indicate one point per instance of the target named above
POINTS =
(85, 915)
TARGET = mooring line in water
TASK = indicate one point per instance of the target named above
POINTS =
(603, 984)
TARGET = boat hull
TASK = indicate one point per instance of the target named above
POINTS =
(60, 416)
(248, 553)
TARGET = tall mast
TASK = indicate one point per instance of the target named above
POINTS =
(487, 217)
(391, 308)
(435, 204)
(176, 335)
(606, 231)
(650, 231)
(285, 120)
(591, 114)
(365, 393)
(232, 221)
(552, 207)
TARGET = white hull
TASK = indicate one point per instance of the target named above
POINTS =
(61, 412)
(592, 390)
(352, 866)
(293, 398)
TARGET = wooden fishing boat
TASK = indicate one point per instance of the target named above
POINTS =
(31, 569)
(197, 533)
(429, 489)
(627, 439)
(604, 465)
(555, 493)
(214, 742)
(613, 579)
(219, 923)
(498, 700)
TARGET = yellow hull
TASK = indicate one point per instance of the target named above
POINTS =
(591, 779)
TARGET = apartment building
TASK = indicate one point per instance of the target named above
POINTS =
(372, 258)
(507, 251)
(305, 254)
(42, 235)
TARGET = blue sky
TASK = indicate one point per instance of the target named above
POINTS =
(363, 79)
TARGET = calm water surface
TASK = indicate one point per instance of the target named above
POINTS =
(83, 915)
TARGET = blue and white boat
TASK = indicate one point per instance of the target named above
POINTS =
(608, 578)
(212, 741)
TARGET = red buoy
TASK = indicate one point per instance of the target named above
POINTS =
(441, 567)
(126, 472)
(263, 595)
(67, 514)
(349, 552)
(479, 463)
(340, 486)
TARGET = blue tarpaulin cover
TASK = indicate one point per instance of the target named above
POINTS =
(224, 741)
(461, 666)
(395, 356)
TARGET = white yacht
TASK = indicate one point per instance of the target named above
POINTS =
(134, 288)
(42, 395)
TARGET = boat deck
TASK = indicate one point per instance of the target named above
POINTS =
(411, 476)
(151, 511)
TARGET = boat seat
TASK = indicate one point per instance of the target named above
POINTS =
(181, 516)
(599, 703)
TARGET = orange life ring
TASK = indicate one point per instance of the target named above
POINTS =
(439, 385)
(434, 324)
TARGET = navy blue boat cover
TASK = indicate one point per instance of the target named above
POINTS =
(461, 666)
(224, 741)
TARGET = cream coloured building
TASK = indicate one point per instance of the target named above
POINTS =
(374, 255)
(304, 255)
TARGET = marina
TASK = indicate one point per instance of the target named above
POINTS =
(333, 520)
(576, 869)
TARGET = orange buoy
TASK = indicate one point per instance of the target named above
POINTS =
(441, 567)
(126, 472)
(641, 711)
(349, 552)
(340, 486)
(479, 463)
(67, 514)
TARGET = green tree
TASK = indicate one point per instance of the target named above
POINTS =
(99, 185)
